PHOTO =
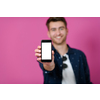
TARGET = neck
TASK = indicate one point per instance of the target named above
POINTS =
(62, 49)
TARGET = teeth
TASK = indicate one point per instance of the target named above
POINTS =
(58, 37)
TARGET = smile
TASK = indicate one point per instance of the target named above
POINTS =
(58, 37)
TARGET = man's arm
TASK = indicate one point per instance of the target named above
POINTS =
(43, 69)
(49, 66)
(86, 70)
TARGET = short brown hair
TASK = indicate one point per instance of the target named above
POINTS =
(55, 19)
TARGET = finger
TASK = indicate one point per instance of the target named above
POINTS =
(39, 47)
(52, 57)
(37, 54)
(52, 52)
(39, 59)
(37, 51)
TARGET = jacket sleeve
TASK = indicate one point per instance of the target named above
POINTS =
(44, 71)
(86, 70)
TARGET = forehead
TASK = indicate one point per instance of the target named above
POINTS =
(56, 24)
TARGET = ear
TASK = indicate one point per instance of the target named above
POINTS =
(48, 34)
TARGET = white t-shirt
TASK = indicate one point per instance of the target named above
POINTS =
(67, 73)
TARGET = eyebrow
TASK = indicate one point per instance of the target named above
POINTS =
(61, 27)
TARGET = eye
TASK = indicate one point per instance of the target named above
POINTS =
(61, 28)
(53, 29)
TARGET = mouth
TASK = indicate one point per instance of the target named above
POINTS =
(58, 37)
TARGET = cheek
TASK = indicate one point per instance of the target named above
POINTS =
(52, 34)
(64, 33)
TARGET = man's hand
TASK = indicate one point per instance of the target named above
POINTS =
(49, 66)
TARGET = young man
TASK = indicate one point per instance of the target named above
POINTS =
(69, 65)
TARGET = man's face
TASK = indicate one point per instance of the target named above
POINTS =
(57, 32)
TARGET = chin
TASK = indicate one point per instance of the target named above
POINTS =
(58, 43)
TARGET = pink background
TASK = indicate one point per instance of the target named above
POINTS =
(20, 36)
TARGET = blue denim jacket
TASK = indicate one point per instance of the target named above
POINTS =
(79, 65)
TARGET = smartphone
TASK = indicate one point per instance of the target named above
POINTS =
(46, 50)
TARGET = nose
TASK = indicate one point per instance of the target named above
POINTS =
(58, 32)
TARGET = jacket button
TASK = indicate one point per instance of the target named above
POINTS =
(45, 71)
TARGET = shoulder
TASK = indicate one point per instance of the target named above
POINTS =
(78, 52)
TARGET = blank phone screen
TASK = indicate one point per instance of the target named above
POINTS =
(46, 51)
